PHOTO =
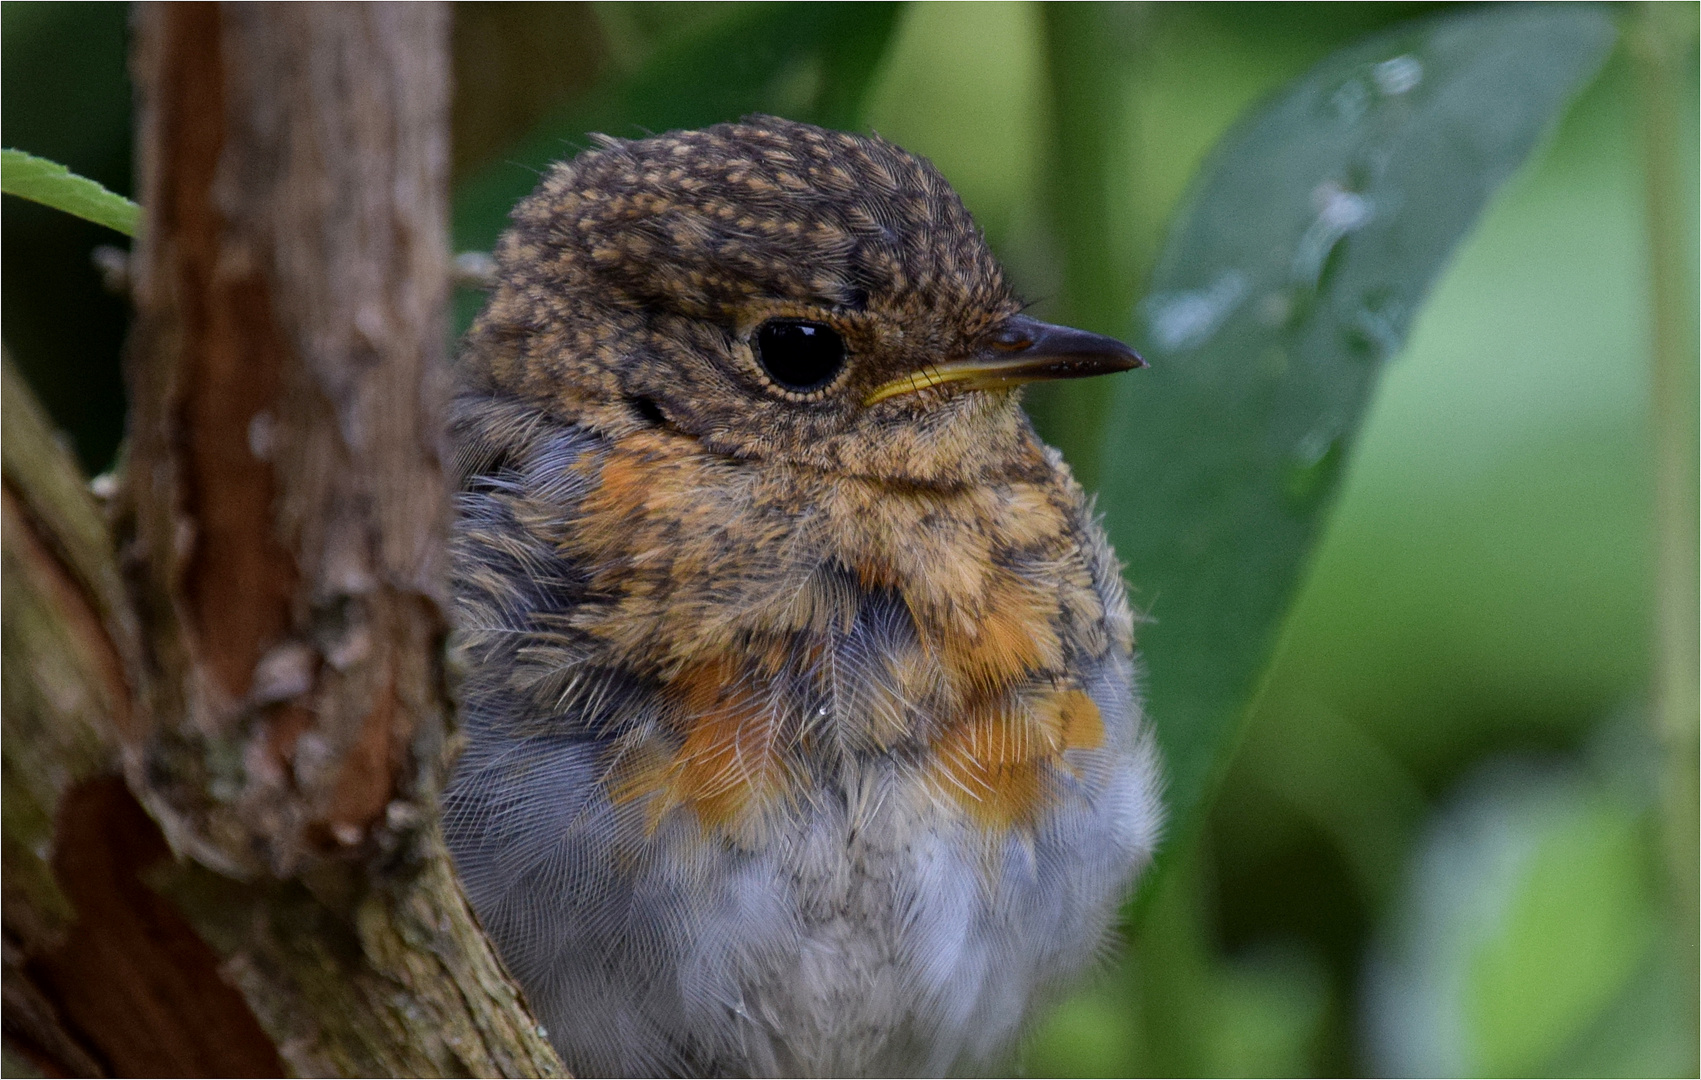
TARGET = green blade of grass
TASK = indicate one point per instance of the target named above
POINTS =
(1292, 274)
(52, 184)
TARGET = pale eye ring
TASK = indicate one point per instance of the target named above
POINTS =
(800, 356)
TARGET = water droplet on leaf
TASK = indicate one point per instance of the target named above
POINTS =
(1312, 466)
(1339, 212)
(1375, 327)
(1351, 101)
(1183, 320)
(1398, 75)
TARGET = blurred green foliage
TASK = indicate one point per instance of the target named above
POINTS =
(1436, 849)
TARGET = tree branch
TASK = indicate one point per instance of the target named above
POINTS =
(266, 677)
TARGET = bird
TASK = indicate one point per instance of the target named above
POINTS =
(798, 713)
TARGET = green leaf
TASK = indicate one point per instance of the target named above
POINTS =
(808, 61)
(52, 184)
(1292, 275)
(1528, 909)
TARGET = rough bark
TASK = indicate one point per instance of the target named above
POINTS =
(226, 720)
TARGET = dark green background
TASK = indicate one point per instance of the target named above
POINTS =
(1434, 848)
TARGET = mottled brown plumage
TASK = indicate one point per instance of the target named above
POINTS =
(639, 258)
(809, 630)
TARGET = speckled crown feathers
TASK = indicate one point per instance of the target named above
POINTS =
(637, 271)
(696, 221)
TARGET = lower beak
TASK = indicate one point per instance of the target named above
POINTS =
(1025, 350)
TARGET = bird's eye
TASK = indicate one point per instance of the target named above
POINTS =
(799, 356)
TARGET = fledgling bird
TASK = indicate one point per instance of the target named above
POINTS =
(801, 735)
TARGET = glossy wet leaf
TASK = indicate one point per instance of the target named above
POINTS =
(52, 184)
(1291, 276)
(809, 61)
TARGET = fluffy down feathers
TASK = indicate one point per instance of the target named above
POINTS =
(801, 737)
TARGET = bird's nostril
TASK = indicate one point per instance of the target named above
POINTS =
(1012, 340)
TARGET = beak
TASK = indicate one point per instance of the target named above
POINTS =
(1025, 350)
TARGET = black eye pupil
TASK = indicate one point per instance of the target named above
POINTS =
(800, 356)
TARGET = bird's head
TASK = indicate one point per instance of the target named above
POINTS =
(774, 291)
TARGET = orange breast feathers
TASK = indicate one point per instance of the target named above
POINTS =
(724, 757)
(735, 751)
(789, 620)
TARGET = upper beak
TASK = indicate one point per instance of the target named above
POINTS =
(1025, 350)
